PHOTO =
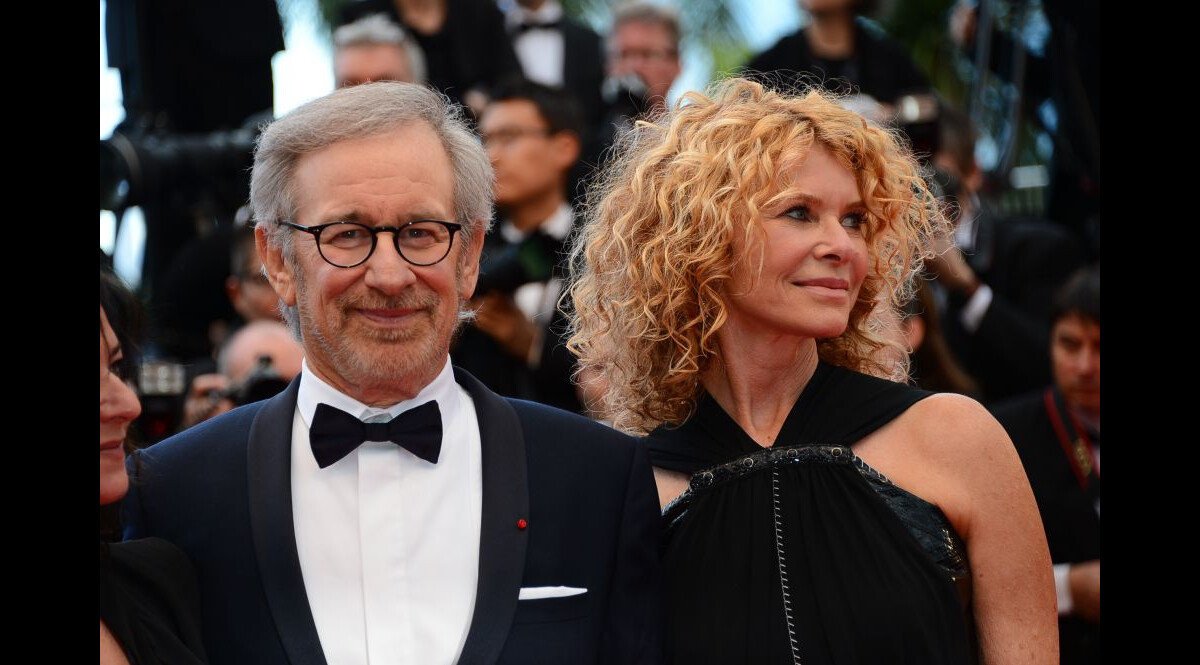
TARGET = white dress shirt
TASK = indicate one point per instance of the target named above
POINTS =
(540, 51)
(389, 543)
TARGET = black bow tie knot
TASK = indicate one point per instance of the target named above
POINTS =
(525, 26)
(334, 433)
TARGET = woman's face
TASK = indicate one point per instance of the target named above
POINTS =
(814, 256)
(118, 407)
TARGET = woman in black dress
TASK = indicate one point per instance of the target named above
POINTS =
(739, 258)
(149, 603)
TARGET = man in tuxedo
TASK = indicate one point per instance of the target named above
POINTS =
(997, 275)
(1056, 431)
(388, 507)
(516, 344)
(557, 51)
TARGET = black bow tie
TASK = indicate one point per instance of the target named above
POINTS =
(334, 433)
(525, 26)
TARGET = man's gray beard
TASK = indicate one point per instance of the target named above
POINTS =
(357, 368)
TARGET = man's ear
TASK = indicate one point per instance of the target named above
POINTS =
(566, 149)
(278, 272)
(974, 179)
(470, 271)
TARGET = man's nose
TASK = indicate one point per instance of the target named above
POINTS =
(387, 270)
(1088, 361)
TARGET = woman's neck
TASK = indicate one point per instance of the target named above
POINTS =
(758, 380)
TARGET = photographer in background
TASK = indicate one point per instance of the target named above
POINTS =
(196, 80)
(532, 136)
(642, 52)
(256, 362)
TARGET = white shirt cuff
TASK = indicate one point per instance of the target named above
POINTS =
(1062, 588)
(976, 307)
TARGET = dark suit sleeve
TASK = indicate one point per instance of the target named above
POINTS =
(633, 628)
(1014, 335)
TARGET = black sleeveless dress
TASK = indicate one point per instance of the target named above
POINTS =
(801, 553)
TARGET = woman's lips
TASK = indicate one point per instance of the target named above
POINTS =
(825, 282)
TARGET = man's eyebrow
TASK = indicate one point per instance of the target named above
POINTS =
(354, 216)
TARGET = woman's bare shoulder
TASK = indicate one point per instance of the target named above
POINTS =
(954, 428)
(945, 449)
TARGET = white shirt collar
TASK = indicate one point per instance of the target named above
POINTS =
(516, 15)
(557, 226)
(314, 391)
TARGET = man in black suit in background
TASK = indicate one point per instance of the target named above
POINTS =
(387, 507)
(558, 52)
(998, 275)
(1057, 433)
(516, 344)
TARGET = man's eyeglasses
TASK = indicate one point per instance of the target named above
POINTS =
(423, 242)
(646, 54)
(503, 137)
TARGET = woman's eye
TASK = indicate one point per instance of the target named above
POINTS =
(854, 220)
(798, 213)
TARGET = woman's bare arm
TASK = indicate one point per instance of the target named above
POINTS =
(988, 499)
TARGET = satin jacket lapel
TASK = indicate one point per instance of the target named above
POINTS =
(270, 483)
(571, 56)
(501, 544)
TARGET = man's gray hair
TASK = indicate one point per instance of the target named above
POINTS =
(645, 12)
(379, 29)
(358, 112)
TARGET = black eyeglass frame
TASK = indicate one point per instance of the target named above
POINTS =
(452, 227)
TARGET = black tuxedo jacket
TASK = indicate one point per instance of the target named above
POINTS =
(583, 68)
(222, 492)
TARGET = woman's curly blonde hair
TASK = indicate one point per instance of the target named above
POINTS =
(650, 265)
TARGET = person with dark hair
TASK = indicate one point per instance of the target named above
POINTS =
(1057, 433)
(515, 345)
(386, 506)
(840, 51)
(149, 602)
(729, 285)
